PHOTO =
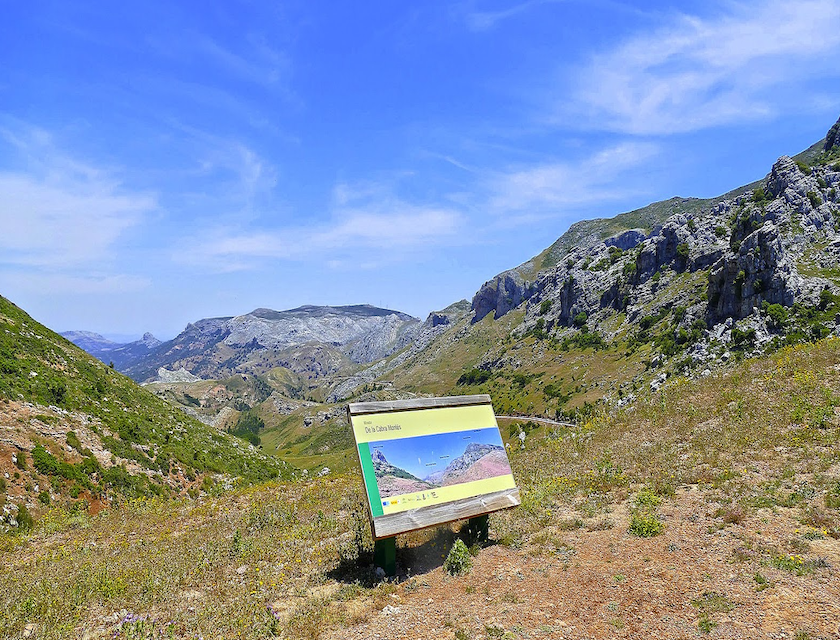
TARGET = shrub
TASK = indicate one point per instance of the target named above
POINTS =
(615, 254)
(458, 561)
(682, 251)
(474, 376)
(645, 525)
(804, 168)
(721, 231)
(73, 440)
(580, 319)
(24, 518)
(44, 497)
(545, 305)
(741, 339)
(814, 198)
(539, 331)
(777, 313)
(827, 299)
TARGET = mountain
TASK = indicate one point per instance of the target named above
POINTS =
(394, 481)
(479, 461)
(612, 307)
(110, 352)
(91, 342)
(679, 287)
(311, 341)
(75, 433)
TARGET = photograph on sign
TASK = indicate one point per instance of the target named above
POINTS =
(426, 457)
(423, 469)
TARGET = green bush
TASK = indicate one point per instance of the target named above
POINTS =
(474, 376)
(682, 251)
(24, 518)
(459, 561)
(804, 168)
(580, 319)
(545, 305)
(777, 313)
(73, 440)
(814, 198)
(645, 525)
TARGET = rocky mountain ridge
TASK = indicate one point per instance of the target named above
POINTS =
(313, 340)
(752, 246)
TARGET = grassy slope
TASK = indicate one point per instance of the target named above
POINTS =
(756, 444)
(72, 390)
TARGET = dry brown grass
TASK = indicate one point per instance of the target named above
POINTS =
(745, 465)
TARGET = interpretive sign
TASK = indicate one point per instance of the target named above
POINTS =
(431, 460)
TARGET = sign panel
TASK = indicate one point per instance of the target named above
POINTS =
(430, 461)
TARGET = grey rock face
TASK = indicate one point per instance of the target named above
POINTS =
(501, 294)
(316, 341)
(832, 139)
(181, 375)
(627, 239)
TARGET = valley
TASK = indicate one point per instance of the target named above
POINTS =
(672, 381)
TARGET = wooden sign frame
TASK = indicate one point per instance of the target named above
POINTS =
(405, 427)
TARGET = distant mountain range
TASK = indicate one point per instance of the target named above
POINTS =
(611, 307)
(310, 340)
(108, 351)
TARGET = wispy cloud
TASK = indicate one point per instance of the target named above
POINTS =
(61, 212)
(486, 20)
(552, 188)
(694, 73)
(363, 222)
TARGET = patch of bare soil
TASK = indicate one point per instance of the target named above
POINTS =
(700, 576)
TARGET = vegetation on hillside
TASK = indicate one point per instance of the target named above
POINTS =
(757, 445)
(153, 446)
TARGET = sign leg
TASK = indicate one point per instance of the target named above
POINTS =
(478, 529)
(385, 555)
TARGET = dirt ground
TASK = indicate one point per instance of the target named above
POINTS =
(700, 576)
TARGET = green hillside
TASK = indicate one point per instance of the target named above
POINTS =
(81, 433)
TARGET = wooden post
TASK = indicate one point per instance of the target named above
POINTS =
(385, 555)
(477, 529)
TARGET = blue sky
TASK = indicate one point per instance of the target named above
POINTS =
(164, 162)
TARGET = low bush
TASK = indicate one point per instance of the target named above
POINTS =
(459, 560)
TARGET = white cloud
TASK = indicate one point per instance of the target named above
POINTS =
(61, 212)
(387, 229)
(486, 20)
(694, 73)
(551, 187)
